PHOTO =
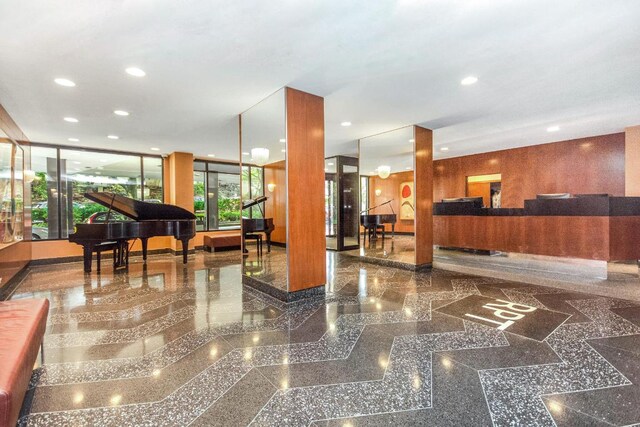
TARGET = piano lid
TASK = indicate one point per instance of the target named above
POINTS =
(137, 210)
(252, 202)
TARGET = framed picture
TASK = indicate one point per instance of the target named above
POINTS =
(407, 202)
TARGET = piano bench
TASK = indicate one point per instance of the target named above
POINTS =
(218, 243)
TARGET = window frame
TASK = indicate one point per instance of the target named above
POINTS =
(59, 148)
(210, 168)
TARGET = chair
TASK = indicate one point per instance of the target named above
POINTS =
(258, 238)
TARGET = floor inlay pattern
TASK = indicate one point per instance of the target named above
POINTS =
(174, 346)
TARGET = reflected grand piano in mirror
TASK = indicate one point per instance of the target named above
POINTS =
(147, 220)
(256, 225)
(372, 222)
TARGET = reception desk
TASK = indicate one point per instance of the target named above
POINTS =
(590, 227)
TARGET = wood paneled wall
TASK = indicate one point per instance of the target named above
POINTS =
(390, 189)
(306, 243)
(587, 165)
(423, 190)
(632, 161)
(276, 205)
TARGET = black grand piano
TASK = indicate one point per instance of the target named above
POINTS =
(251, 226)
(373, 222)
(148, 220)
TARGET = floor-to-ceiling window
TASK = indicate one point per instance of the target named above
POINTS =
(63, 176)
(216, 186)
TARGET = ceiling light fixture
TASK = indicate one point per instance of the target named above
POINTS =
(71, 119)
(283, 150)
(244, 153)
(73, 139)
(553, 128)
(260, 155)
(467, 81)
(330, 164)
(412, 140)
(345, 124)
(155, 149)
(135, 71)
(113, 137)
(283, 140)
(211, 155)
(444, 148)
(120, 113)
(384, 171)
(64, 82)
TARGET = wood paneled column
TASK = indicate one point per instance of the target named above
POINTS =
(178, 182)
(423, 190)
(306, 245)
(632, 161)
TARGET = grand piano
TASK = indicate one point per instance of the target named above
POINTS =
(372, 222)
(148, 220)
(251, 226)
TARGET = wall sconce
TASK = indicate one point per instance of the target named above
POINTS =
(378, 192)
(384, 171)
(271, 187)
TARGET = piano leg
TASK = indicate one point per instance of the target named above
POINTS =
(185, 250)
(88, 255)
(144, 242)
(393, 230)
(244, 244)
(268, 242)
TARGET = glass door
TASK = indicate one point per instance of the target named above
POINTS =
(331, 213)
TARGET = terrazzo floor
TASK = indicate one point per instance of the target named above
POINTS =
(398, 251)
(172, 345)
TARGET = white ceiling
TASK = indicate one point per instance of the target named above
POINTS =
(380, 64)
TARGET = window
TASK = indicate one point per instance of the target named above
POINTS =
(63, 176)
(252, 187)
(217, 191)
(364, 193)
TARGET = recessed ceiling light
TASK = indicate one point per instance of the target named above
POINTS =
(469, 80)
(408, 168)
(211, 155)
(103, 160)
(244, 153)
(98, 173)
(345, 124)
(444, 148)
(77, 163)
(330, 164)
(412, 140)
(553, 128)
(73, 139)
(71, 119)
(64, 82)
(113, 137)
(120, 113)
(283, 150)
(135, 71)
(155, 149)
(283, 140)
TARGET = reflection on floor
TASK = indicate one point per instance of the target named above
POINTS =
(571, 274)
(332, 242)
(398, 251)
(168, 345)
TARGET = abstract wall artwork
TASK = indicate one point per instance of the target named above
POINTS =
(407, 202)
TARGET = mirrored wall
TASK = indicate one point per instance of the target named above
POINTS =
(11, 192)
(387, 190)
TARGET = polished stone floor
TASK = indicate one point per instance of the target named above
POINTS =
(398, 251)
(168, 345)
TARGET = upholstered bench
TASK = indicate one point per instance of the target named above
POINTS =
(220, 242)
(22, 326)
